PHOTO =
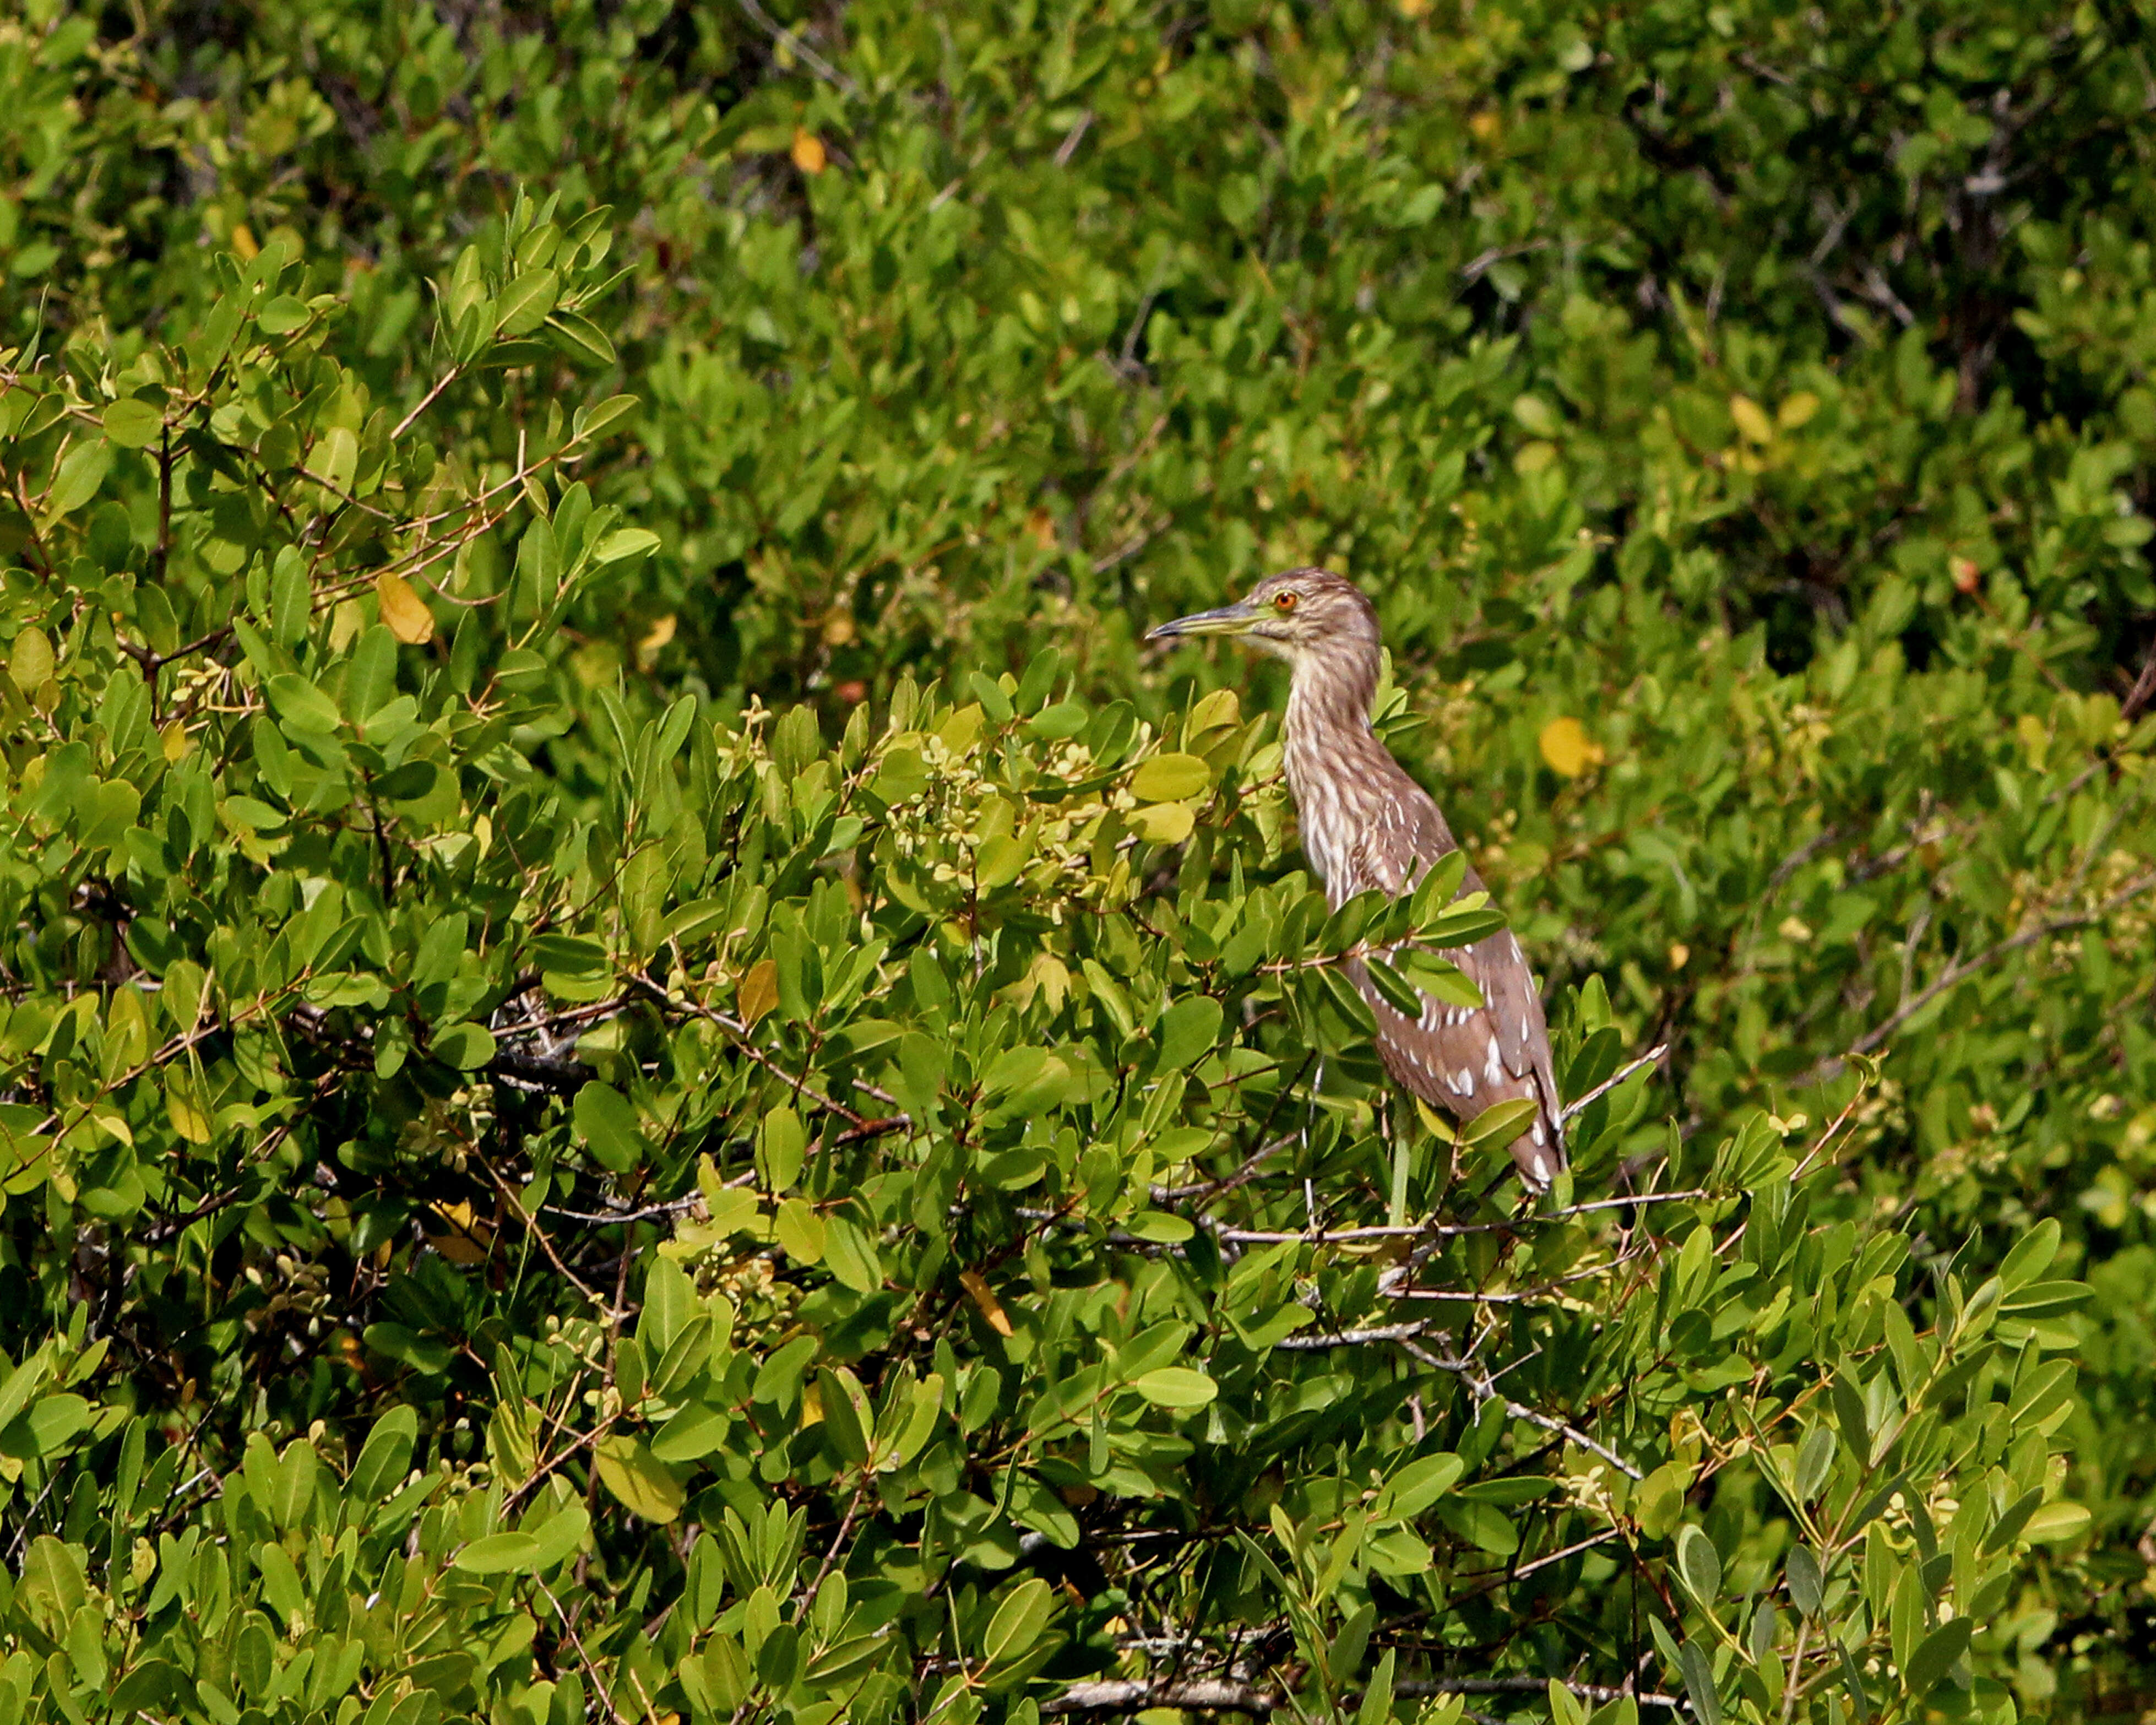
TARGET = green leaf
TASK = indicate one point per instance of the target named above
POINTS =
(1019, 1621)
(1814, 1461)
(800, 1231)
(82, 471)
(627, 543)
(1484, 1526)
(843, 1406)
(559, 1537)
(1700, 1564)
(608, 1124)
(693, 1433)
(466, 1047)
(851, 1255)
(1807, 1587)
(1422, 1482)
(1936, 1655)
(2031, 1255)
(1500, 1124)
(1170, 778)
(1698, 1671)
(54, 1421)
(2057, 1524)
(302, 708)
(580, 338)
(132, 425)
(30, 660)
(526, 302)
(385, 1454)
(1177, 1387)
(500, 1554)
(590, 422)
(640, 1481)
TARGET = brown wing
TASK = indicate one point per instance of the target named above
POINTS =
(1463, 1059)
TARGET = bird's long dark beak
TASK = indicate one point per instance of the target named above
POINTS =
(1234, 620)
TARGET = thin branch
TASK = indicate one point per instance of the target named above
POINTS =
(1224, 1694)
(1351, 1339)
(426, 402)
(807, 56)
(564, 1077)
(1609, 1084)
(1473, 1377)
(1832, 1068)
(1448, 1231)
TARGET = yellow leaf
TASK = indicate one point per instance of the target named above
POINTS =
(799, 1230)
(807, 152)
(992, 1312)
(1568, 749)
(759, 990)
(645, 1484)
(243, 242)
(1751, 420)
(1680, 955)
(188, 1118)
(658, 635)
(1435, 1124)
(1163, 823)
(175, 742)
(404, 610)
(1798, 409)
(30, 660)
(1214, 712)
(962, 729)
(466, 1241)
(1169, 778)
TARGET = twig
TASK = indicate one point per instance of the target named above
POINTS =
(1222, 1695)
(1211, 1189)
(1609, 1084)
(1832, 1067)
(2142, 691)
(1351, 1339)
(426, 402)
(809, 57)
(512, 1200)
(740, 1032)
(565, 1077)
(1483, 1390)
(1069, 146)
(1570, 1551)
(615, 1218)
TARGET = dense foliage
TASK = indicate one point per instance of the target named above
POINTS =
(650, 1071)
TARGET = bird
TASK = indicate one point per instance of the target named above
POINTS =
(1367, 824)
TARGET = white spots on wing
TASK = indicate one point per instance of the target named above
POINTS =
(1538, 1133)
(1493, 1063)
(1463, 1084)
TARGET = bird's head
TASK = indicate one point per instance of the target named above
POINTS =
(1305, 616)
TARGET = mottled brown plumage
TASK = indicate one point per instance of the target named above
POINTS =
(1366, 824)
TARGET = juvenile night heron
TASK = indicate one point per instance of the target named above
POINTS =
(1366, 824)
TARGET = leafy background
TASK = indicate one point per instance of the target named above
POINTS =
(1740, 420)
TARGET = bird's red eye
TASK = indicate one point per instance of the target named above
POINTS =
(1283, 601)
